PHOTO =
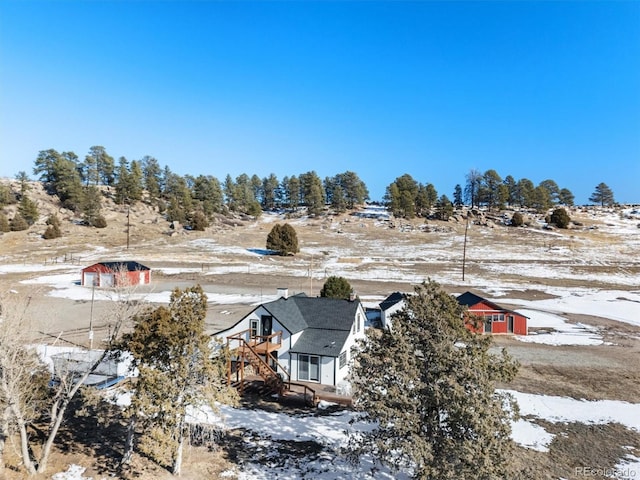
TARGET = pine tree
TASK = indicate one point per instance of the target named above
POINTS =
(428, 386)
(602, 195)
(91, 205)
(565, 197)
(457, 195)
(177, 369)
(28, 210)
(444, 208)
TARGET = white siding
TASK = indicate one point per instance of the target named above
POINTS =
(386, 315)
(245, 323)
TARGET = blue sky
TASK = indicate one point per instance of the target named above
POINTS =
(535, 90)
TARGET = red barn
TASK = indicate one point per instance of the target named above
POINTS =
(492, 317)
(116, 274)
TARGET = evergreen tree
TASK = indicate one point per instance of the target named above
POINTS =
(354, 190)
(177, 369)
(429, 388)
(444, 208)
(91, 205)
(457, 195)
(23, 178)
(151, 174)
(18, 223)
(401, 196)
(198, 221)
(554, 191)
(490, 189)
(336, 287)
(270, 187)
(283, 239)
(560, 218)
(98, 167)
(525, 193)
(511, 190)
(28, 210)
(602, 195)
(338, 202)
(312, 192)
(207, 190)
(565, 197)
(541, 199)
(517, 220)
(53, 228)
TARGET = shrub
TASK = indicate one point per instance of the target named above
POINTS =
(100, 222)
(199, 221)
(18, 223)
(336, 287)
(560, 218)
(283, 239)
(52, 231)
(517, 220)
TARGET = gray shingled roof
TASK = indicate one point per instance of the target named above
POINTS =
(315, 341)
(300, 312)
(469, 299)
(129, 266)
(392, 299)
(325, 323)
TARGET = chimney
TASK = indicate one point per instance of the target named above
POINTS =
(283, 293)
(352, 296)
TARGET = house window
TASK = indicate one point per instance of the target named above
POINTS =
(358, 320)
(254, 328)
(343, 359)
(309, 368)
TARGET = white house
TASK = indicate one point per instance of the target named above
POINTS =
(309, 339)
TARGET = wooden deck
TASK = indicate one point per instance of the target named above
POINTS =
(297, 392)
(264, 348)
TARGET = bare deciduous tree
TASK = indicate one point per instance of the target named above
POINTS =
(26, 397)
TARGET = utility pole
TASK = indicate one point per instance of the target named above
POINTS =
(128, 224)
(464, 248)
(311, 277)
(93, 291)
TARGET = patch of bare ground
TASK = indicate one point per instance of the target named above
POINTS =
(579, 451)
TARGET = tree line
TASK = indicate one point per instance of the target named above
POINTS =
(193, 200)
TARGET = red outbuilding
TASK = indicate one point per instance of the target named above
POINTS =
(488, 317)
(116, 274)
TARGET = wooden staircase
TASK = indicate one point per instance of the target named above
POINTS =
(249, 350)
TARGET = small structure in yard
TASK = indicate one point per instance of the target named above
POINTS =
(488, 317)
(73, 363)
(390, 305)
(116, 274)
